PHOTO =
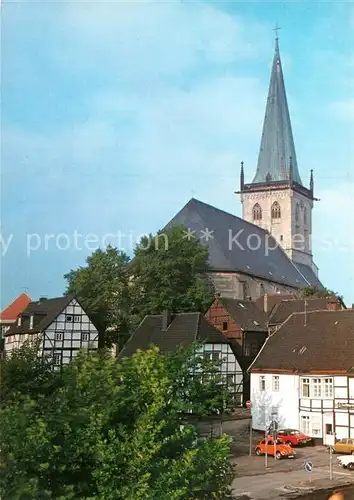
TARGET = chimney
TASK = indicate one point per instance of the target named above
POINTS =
(166, 319)
(265, 302)
(333, 305)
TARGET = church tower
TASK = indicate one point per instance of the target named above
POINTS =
(276, 199)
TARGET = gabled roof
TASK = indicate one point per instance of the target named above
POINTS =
(11, 312)
(236, 245)
(44, 312)
(184, 329)
(319, 341)
(246, 314)
(277, 143)
(285, 308)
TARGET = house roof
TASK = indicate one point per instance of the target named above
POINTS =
(269, 301)
(318, 341)
(44, 311)
(246, 314)
(285, 308)
(277, 143)
(184, 329)
(236, 245)
(11, 312)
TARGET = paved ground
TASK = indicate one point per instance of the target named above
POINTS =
(256, 480)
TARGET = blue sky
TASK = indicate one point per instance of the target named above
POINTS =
(115, 114)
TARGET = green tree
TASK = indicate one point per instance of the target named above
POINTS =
(117, 430)
(313, 291)
(169, 271)
(102, 288)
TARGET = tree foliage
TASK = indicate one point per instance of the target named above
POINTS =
(168, 271)
(102, 288)
(313, 291)
(115, 430)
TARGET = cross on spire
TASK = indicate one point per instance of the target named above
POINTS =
(276, 29)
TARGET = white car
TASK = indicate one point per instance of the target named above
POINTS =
(346, 461)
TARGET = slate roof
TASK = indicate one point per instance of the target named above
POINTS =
(246, 314)
(321, 341)
(44, 312)
(277, 143)
(11, 312)
(272, 301)
(285, 308)
(248, 255)
(184, 329)
(308, 274)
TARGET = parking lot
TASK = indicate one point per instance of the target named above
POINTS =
(257, 480)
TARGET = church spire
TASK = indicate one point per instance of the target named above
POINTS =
(277, 143)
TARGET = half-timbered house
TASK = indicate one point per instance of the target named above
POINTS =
(304, 374)
(168, 331)
(61, 326)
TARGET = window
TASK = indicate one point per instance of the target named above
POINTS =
(305, 388)
(297, 213)
(215, 356)
(328, 387)
(58, 336)
(31, 322)
(276, 212)
(57, 359)
(224, 326)
(262, 384)
(305, 216)
(257, 212)
(77, 318)
(281, 237)
(19, 319)
(305, 425)
(316, 387)
(69, 318)
(84, 337)
(316, 426)
(276, 383)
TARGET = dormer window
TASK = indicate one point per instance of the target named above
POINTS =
(257, 212)
(19, 321)
(31, 322)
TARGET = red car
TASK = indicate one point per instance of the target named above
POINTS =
(293, 437)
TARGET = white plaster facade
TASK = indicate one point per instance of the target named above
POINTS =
(293, 229)
(69, 332)
(318, 405)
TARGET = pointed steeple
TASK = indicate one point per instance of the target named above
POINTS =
(311, 182)
(277, 143)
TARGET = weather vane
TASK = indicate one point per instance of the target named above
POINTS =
(276, 29)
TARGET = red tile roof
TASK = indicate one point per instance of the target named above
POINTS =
(11, 312)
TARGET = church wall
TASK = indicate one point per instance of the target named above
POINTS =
(241, 286)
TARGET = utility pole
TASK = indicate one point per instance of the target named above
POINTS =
(249, 405)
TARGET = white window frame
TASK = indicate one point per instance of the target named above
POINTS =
(31, 322)
(305, 382)
(316, 387)
(58, 336)
(328, 387)
(67, 318)
(85, 337)
(77, 318)
(305, 424)
(262, 383)
(275, 383)
(57, 356)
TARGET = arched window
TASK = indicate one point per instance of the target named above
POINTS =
(297, 213)
(257, 212)
(305, 216)
(276, 212)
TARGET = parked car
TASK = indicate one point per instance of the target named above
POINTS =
(344, 446)
(293, 437)
(279, 449)
(346, 461)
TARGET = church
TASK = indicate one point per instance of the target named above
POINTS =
(268, 250)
